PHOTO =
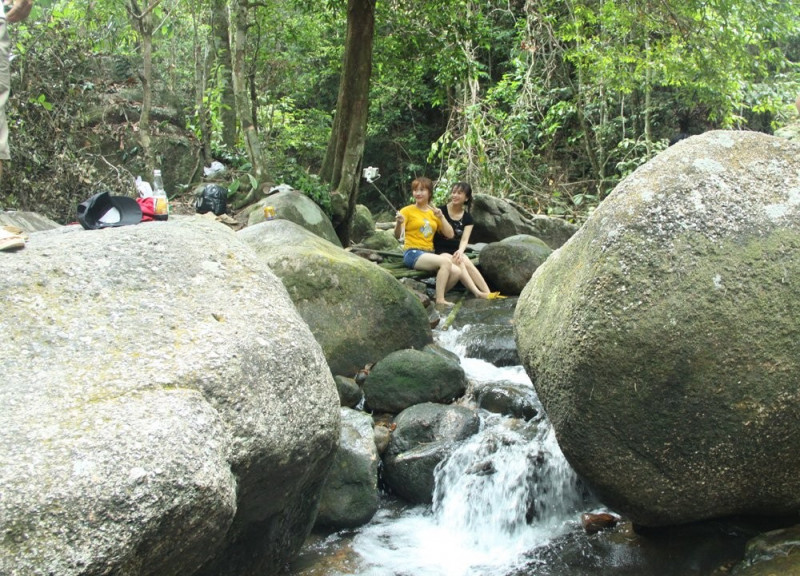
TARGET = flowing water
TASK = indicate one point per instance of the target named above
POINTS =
(506, 503)
(501, 494)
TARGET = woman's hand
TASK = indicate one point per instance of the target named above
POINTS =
(19, 10)
(399, 225)
(447, 229)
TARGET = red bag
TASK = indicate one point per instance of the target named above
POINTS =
(148, 206)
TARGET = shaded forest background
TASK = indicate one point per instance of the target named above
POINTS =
(546, 102)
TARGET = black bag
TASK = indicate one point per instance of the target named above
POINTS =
(213, 198)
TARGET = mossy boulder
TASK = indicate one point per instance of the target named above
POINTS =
(357, 311)
(298, 208)
(498, 218)
(154, 416)
(382, 240)
(363, 225)
(408, 377)
(425, 435)
(662, 339)
(508, 264)
(350, 496)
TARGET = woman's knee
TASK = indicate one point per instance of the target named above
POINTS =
(443, 261)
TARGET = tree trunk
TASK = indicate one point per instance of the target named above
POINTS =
(586, 137)
(203, 57)
(648, 130)
(142, 22)
(342, 164)
(224, 74)
(238, 30)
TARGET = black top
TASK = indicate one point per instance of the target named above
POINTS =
(442, 244)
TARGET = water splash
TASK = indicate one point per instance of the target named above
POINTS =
(509, 484)
(502, 493)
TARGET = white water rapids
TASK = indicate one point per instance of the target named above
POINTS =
(507, 504)
(501, 495)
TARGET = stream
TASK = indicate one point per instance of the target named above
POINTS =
(507, 503)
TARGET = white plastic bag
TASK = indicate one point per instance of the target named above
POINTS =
(214, 169)
(144, 188)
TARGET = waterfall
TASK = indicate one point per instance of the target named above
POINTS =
(507, 485)
(499, 496)
(507, 503)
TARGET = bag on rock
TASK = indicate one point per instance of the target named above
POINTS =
(213, 198)
(148, 208)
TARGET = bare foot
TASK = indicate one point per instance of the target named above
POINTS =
(443, 303)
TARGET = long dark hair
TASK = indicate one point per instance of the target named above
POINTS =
(467, 190)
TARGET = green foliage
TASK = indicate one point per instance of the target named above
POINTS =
(296, 133)
(593, 89)
(50, 170)
(308, 184)
(101, 23)
(41, 100)
(548, 102)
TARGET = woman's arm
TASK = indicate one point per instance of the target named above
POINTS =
(19, 11)
(399, 222)
(465, 237)
(444, 225)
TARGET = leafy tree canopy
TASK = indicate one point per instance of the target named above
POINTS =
(548, 102)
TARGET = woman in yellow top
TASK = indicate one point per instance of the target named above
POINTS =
(419, 223)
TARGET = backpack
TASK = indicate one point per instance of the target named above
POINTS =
(213, 198)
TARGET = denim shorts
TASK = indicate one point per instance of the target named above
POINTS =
(411, 256)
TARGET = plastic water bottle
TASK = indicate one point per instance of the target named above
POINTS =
(160, 200)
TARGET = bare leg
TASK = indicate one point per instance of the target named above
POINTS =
(469, 283)
(471, 277)
(442, 281)
(443, 265)
(476, 276)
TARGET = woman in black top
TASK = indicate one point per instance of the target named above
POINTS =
(457, 213)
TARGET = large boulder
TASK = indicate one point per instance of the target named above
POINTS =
(485, 330)
(382, 240)
(295, 207)
(350, 495)
(508, 264)
(425, 435)
(662, 338)
(497, 218)
(407, 377)
(357, 311)
(165, 408)
(363, 224)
